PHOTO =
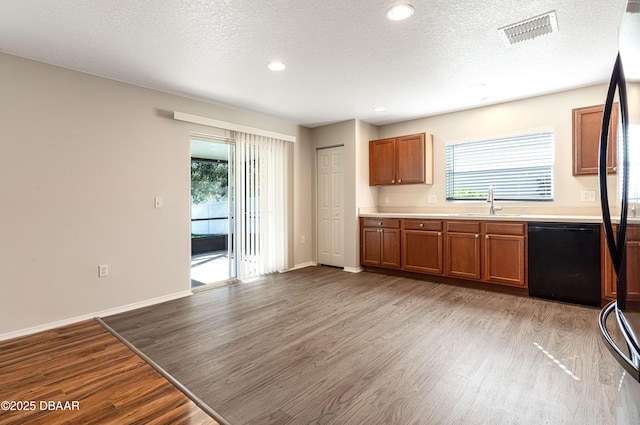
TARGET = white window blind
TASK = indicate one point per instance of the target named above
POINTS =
(519, 168)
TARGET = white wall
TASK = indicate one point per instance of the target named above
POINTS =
(550, 111)
(81, 160)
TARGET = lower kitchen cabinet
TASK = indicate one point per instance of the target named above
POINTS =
(380, 243)
(462, 256)
(504, 253)
(481, 250)
(422, 245)
(633, 266)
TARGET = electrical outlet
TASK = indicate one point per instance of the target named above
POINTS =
(158, 202)
(432, 199)
(588, 196)
(303, 239)
(103, 270)
(386, 199)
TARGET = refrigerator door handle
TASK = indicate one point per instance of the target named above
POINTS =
(629, 364)
(615, 244)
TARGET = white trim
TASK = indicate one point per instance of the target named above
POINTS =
(108, 312)
(301, 266)
(353, 269)
(210, 122)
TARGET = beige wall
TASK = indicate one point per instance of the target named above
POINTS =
(354, 135)
(82, 157)
(551, 111)
(81, 160)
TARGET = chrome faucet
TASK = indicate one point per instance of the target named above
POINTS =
(492, 208)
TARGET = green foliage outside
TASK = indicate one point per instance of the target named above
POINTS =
(209, 180)
(468, 193)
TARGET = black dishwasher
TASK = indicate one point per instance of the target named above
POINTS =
(564, 262)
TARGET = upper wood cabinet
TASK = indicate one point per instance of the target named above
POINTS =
(587, 123)
(401, 160)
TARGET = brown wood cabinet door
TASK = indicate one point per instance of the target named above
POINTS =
(633, 270)
(422, 251)
(410, 159)
(382, 162)
(586, 139)
(390, 248)
(609, 290)
(371, 246)
(463, 255)
(504, 260)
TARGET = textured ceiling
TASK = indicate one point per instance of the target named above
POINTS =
(344, 58)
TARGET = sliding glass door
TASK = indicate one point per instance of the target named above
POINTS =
(212, 211)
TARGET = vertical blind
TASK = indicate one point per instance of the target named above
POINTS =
(519, 168)
(261, 202)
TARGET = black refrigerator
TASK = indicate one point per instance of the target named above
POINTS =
(620, 319)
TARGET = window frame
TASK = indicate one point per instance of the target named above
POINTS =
(517, 177)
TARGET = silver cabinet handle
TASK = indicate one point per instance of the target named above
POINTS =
(439, 234)
(421, 224)
(379, 223)
(399, 180)
(487, 237)
(393, 181)
(477, 236)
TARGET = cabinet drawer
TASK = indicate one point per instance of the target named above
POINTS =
(432, 225)
(517, 229)
(391, 223)
(463, 226)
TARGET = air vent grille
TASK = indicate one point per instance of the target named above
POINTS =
(529, 28)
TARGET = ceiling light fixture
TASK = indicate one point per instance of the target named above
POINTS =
(380, 109)
(276, 66)
(400, 12)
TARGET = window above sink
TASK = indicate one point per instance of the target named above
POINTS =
(519, 168)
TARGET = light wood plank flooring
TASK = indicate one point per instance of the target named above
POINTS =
(95, 377)
(322, 346)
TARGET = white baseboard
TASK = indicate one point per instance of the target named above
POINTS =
(103, 313)
(352, 269)
(301, 266)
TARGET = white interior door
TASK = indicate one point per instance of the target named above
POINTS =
(331, 206)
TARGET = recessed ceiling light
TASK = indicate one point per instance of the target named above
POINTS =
(400, 12)
(276, 66)
(380, 109)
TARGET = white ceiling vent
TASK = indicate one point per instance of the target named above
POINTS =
(529, 28)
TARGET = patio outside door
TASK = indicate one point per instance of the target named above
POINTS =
(212, 212)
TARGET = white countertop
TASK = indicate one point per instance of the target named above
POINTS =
(482, 216)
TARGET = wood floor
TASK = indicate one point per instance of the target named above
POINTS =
(81, 374)
(322, 346)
